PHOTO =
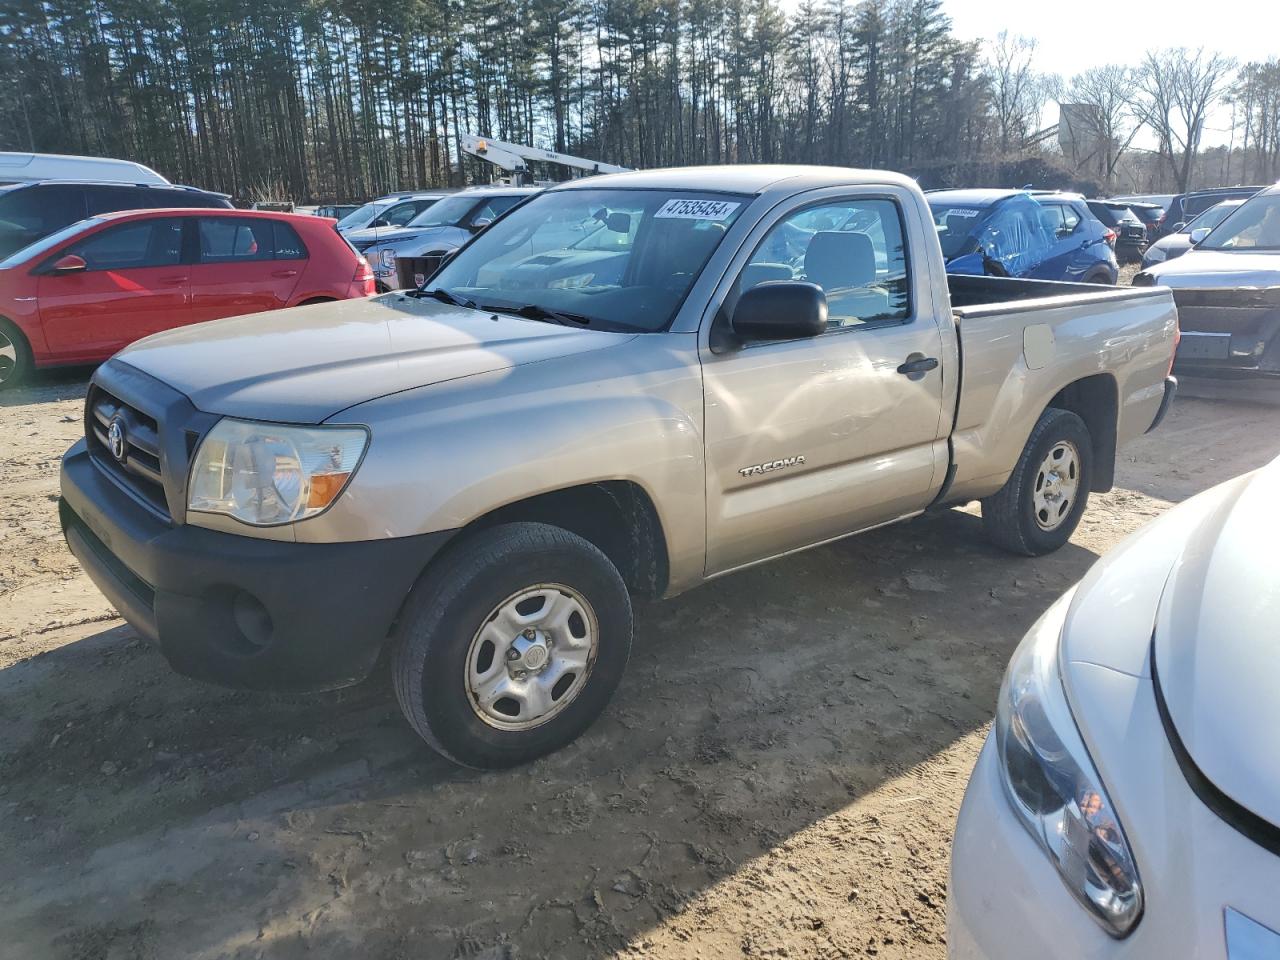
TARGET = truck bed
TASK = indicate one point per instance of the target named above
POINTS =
(1020, 340)
(970, 294)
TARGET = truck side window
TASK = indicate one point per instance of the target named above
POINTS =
(854, 249)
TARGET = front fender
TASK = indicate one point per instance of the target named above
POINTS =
(444, 455)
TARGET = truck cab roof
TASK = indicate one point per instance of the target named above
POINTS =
(738, 178)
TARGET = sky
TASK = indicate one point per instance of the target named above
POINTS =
(1073, 36)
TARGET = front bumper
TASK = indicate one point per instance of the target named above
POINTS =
(1229, 333)
(1007, 901)
(239, 611)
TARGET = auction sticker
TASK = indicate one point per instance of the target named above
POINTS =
(962, 212)
(696, 210)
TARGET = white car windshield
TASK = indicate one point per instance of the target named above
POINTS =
(1254, 225)
(363, 216)
(643, 250)
(448, 212)
(1211, 217)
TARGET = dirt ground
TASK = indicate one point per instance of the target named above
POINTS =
(778, 776)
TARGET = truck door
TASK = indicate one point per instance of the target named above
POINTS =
(808, 440)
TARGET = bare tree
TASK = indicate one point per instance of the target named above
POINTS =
(1107, 91)
(1018, 91)
(1174, 92)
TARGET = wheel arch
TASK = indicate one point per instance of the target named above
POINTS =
(617, 516)
(1095, 400)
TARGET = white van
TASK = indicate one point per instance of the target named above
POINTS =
(31, 167)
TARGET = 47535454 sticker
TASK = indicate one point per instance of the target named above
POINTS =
(696, 210)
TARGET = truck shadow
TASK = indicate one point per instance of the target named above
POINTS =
(753, 708)
(49, 386)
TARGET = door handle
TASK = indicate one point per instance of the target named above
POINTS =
(917, 365)
(174, 280)
(285, 273)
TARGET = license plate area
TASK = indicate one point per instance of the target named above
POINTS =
(1204, 346)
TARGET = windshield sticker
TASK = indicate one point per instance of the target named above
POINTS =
(696, 210)
(962, 212)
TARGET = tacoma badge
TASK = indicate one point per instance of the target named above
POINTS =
(758, 468)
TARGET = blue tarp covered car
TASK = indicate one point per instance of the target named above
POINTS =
(1016, 233)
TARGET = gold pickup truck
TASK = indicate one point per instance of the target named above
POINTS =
(627, 385)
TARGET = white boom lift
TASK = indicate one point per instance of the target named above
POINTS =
(514, 158)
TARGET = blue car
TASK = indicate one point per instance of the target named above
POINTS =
(1016, 233)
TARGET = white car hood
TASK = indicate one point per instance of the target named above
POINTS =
(305, 364)
(1217, 644)
(1218, 268)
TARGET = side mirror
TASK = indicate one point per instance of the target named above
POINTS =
(780, 310)
(69, 264)
(481, 223)
(1198, 235)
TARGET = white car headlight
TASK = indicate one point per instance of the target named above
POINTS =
(1055, 790)
(1156, 254)
(266, 474)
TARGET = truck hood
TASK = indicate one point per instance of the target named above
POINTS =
(1217, 648)
(1218, 268)
(305, 364)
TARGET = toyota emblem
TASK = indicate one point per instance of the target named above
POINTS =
(115, 439)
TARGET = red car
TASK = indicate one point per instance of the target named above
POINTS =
(81, 294)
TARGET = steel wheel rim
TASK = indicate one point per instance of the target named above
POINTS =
(1057, 486)
(8, 357)
(531, 657)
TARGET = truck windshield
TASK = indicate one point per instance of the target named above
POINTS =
(1253, 226)
(643, 249)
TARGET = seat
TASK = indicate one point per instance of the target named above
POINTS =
(838, 259)
(843, 263)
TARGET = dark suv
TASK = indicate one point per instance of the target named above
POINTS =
(1130, 231)
(31, 211)
(1187, 206)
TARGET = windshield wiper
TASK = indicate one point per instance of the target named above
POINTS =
(535, 311)
(444, 296)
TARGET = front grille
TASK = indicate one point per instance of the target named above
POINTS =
(415, 271)
(136, 465)
(1240, 312)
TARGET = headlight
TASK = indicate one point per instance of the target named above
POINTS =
(267, 474)
(1054, 788)
(387, 258)
(1155, 255)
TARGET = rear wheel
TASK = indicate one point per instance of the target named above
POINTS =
(15, 355)
(1040, 506)
(512, 645)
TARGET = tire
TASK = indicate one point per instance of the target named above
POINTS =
(468, 602)
(15, 355)
(1024, 517)
(1100, 277)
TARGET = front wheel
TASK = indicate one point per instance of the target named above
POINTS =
(512, 644)
(1039, 507)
